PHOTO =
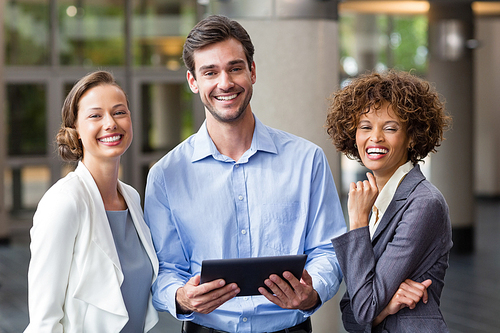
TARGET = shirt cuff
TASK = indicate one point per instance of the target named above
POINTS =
(320, 289)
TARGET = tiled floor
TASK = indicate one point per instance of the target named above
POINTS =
(470, 302)
(471, 296)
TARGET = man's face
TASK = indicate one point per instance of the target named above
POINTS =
(223, 80)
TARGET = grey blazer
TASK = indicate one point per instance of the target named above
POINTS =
(413, 240)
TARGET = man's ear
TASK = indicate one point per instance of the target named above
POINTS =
(193, 85)
(253, 73)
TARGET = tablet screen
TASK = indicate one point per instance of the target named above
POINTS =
(250, 273)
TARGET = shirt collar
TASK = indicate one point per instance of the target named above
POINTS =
(204, 146)
(385, 196)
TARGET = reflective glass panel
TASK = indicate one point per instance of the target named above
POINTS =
(26, 25)
(26, 119)
(159, 29)
(167, 116)
(92, 32)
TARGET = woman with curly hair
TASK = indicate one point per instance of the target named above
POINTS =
(92, 257)
(397, 247)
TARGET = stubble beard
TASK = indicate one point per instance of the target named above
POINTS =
(219, 116)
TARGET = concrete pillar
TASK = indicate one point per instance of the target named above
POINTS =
(366, 41)
(487, 108)
(296, 57)
(4, 222)
(451, 69)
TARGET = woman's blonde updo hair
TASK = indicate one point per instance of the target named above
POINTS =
(69, 145)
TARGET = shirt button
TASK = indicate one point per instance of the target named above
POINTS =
(245, 298)
(243, 232)
(240, 197)
(237, 166)
(245, 319)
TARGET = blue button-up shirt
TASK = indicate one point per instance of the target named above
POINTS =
(279, 198)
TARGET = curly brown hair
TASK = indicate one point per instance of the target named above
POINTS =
(413, 100)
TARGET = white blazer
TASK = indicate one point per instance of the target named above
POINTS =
(74, 275)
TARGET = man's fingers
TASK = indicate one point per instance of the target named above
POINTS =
(278, 286)
(194, 281)
(294, 282)
(306, 278)
(194, 288)
(272, 298)
(206, 297)
(221, 296)
(284, 293)
(212, 300)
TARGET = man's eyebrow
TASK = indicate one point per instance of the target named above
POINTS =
(236, 62)
(205, 67)
(231, 63)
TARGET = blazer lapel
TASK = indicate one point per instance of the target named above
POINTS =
(101, 232)
(101, 274)
(412, 179)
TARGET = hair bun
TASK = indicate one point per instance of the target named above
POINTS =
(68, 144)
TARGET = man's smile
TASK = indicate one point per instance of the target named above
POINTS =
(226, 98)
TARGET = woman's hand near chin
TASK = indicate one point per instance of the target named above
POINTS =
(362, 196)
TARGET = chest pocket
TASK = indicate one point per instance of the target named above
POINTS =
(284, 227)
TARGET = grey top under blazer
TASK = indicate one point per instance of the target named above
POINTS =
(413, 241)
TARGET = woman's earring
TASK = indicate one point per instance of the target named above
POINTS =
(356, 146)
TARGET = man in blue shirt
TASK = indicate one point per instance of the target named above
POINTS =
(238, 189)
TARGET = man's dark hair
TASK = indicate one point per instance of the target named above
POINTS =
(215, 29)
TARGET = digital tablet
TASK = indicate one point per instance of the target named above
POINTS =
(250, 273)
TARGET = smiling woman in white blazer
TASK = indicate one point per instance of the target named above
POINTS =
(77, 271)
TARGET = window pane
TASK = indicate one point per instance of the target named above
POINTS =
(159, 30)
(405, 41)
(167, 116)
(26, 32)
(92, 33)
(26, 119)
(377, 41)
(24, 187)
